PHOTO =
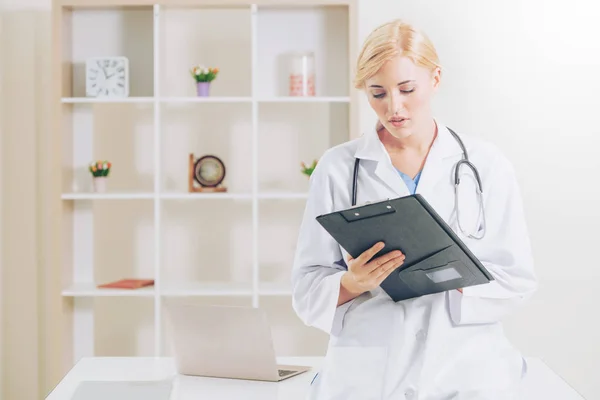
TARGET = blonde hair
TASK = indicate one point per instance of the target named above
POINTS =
(389, 40)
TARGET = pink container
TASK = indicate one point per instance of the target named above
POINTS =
(302, 75)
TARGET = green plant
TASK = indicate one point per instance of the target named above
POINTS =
(308, 170)
(100, 168)
(200, 73)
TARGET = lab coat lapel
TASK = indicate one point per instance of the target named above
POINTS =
(371, 149)
(437, 173)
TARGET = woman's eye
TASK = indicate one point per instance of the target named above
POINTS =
(408, 91)
(379, 95)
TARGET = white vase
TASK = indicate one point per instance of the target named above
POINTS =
(100, 184)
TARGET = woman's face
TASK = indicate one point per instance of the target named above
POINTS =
(400, 94)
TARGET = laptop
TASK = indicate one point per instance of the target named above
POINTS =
(225, 342)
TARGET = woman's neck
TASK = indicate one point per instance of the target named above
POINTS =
(419, 140)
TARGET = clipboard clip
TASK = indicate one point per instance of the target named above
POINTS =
(368, 211)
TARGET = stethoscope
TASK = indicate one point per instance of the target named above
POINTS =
(465, 161)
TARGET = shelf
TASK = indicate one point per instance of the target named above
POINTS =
(93, 100)
(283, 195)
(212, 196)
(207, 289)
(107, 196)
(90, 290)
(236, 196)
(210, 99)
(307, 99)
(226, 289)
(274, 289)
(186, 196)
(234, 247)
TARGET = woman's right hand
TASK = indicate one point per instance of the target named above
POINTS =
(365, 273)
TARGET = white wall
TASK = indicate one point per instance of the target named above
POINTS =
(524, 74)
(1, 227)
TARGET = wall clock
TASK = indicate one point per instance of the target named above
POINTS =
(206, 174)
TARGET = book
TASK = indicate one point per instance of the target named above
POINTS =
(127, 284)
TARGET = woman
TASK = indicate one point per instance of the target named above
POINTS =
(443, 346)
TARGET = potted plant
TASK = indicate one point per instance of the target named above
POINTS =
(100, 171)
(308, 170)
(203, 77)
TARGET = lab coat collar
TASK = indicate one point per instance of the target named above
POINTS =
(371, 148)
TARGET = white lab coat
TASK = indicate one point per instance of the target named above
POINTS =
(438, 347)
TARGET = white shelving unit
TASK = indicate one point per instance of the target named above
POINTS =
(235, 247)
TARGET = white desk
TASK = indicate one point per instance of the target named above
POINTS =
(541, 384)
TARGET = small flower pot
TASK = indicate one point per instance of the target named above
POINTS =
(100, 184)
(203, 89)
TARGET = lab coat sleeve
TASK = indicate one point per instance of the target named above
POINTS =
(318, 262)
(505, 251)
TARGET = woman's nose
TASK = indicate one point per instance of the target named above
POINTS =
(394, 104)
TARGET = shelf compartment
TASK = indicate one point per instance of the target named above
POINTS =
(285, 30)
(222, 130)
(279, 223)
(119, 133)
(208, 241)
(167, 328)
(107, 241)
(124, 327)
(291, 337)
(212, 37)
(292, 133)
(109, 31)
(110, 326)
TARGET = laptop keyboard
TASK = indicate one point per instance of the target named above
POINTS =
(285, 372)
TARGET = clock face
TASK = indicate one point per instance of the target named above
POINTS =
(209, 171)
(107, 77)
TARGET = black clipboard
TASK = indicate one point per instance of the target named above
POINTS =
(436, 259)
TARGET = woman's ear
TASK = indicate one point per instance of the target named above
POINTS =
(436, 77)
